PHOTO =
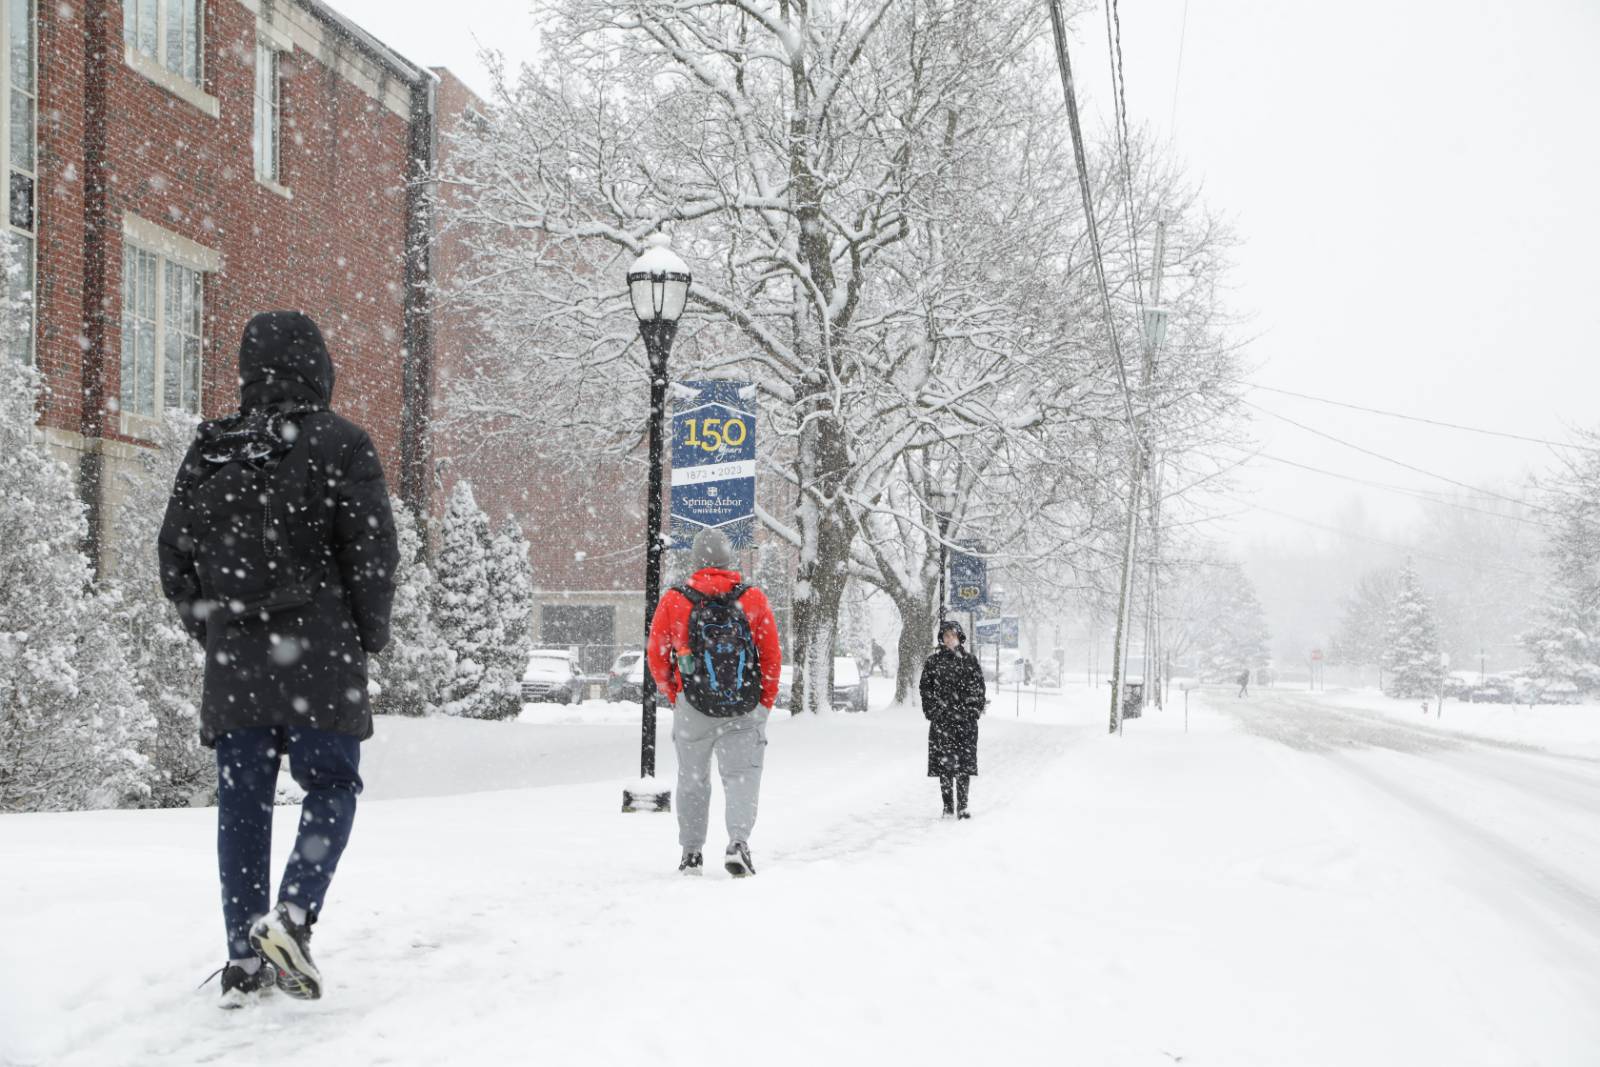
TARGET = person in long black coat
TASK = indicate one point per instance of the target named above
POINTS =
(278, 550)
(953, 698)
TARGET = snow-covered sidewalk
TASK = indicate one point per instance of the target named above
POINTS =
(1209, 896)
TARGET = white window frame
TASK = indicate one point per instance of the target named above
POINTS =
(267, 118)
(154, 65)
(168, 249)
(18, 234)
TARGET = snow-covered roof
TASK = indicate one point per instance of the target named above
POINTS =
(369, 44)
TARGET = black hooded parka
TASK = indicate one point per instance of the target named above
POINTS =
(953, 698)
(295, 655)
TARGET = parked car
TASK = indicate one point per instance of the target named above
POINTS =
(1495, 689)
(1459, 683)
(552, 677)
(1530, 690)
(625, 679)
(849, 687)
(1559, 693)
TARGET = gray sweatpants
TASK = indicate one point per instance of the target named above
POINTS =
(740, 744)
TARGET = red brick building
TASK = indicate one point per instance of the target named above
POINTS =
(173, 167)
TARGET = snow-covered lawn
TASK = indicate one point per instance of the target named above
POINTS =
(1211, 897)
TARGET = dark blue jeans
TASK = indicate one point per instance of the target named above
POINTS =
(327, 767)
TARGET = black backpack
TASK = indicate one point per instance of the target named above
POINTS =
(253, 521)
(725, 679)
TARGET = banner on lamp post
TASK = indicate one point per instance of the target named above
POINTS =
(713, 461)
(969, 579)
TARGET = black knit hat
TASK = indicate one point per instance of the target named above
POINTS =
(951, 624)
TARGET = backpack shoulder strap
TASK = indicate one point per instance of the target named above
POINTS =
(694, 596)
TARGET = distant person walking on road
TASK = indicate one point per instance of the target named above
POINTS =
(1244, 682)
(714, 652)
(877, 659)
(278, 550)
(953, 697)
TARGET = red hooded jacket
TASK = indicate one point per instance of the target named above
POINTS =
(669, 632)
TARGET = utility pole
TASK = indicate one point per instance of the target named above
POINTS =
(1155, 328)
(1155, 334)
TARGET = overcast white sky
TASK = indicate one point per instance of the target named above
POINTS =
(1413, 184)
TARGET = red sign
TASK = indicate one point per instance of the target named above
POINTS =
(1316, 655)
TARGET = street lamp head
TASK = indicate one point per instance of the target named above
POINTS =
(658, 281)
(1155, 325)
(941, 500)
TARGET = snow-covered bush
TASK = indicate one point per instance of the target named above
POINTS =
(480, 686)
(413, 671)
(1411, 653)
(72, 725)
(167, 663)
(511, 590)
(1565, 644)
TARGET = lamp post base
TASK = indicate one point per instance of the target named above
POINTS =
(646, 795)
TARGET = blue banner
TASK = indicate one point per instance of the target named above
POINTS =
(1006, 630)
(713, 460)
(969, 579)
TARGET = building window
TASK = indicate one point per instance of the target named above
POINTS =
(265, 137)
(166, 31)
(161, 331)
(17, 171)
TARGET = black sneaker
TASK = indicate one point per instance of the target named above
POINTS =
(737, 860)
(963, 814)
(286, 944)
(241, 987)
(693, 863)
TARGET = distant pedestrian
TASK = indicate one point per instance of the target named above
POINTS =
(1244, 682)
(279, 550)
(877, 660)
(714, 652)
(953, 698)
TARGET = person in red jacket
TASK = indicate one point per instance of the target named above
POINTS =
(714, 652)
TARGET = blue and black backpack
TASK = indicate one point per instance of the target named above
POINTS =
(726, 677)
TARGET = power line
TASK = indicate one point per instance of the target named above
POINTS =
(1177, 77)
(1424, 419)
(1422, 495)
(1119, 102)
(1065, 63)
(1398, 462)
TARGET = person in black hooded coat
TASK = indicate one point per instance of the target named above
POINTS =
(278, 550)
(953, 698)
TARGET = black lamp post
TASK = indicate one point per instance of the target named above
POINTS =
(941, 502)
(658, 284)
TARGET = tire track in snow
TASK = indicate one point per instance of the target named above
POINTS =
(1569, 904)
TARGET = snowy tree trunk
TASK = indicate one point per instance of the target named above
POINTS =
(916, 635)
(827, 531)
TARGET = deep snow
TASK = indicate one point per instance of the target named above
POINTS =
(1216, 897)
